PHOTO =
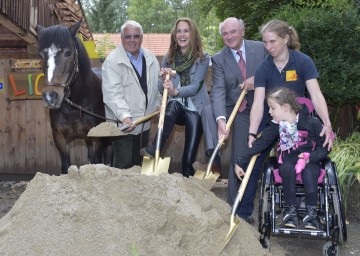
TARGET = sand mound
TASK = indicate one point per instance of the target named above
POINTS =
(105, 129)
(99, 210)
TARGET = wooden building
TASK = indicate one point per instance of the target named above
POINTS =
(26, 143)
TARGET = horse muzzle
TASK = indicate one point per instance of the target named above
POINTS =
(53, 96)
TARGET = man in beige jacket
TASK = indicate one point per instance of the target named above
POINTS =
(130, 75)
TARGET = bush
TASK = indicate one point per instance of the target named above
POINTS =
(345, 154)
(332, 39)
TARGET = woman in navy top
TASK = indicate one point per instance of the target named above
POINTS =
(286, 66)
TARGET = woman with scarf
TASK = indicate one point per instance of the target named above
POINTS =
(299, 138)
(187, 90)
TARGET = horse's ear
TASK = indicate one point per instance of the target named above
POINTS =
(38, 28)
(74, 28)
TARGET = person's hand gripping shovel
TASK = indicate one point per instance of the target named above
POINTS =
(157, 165)
(208, 174)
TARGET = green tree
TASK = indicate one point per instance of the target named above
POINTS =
(155, 16)
(332, 39)
(105, 16)
(257, 12)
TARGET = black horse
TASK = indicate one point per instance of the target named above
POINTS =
(72, 92)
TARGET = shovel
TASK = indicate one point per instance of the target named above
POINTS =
(157, 165)
(105, 129)
(208, 174)
(234, 223)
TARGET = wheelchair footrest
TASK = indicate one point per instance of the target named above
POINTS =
(300, 231)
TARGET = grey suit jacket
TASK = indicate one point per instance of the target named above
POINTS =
(196, 90)
(227, 76)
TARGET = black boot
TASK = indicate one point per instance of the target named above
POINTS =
(290, 218)
(148, 151)
(169, 124)
(311, 219)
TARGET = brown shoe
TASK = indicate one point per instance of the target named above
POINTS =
(202, 167)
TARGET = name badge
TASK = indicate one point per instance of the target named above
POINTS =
(291, 75)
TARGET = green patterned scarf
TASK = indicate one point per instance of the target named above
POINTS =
(182, 65)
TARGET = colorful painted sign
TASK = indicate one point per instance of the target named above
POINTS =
(25, 85)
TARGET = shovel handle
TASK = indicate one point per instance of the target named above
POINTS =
(236, 109)
(244, 181)
(163, 107)
(243, 185)
(222, 137)
(163, 104)
(139, 121)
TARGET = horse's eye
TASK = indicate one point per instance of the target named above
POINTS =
(67, 53)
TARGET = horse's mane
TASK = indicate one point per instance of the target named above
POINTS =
(61, 36)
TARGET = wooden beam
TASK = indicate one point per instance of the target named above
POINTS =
(16, 30)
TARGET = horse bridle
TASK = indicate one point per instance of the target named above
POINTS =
(72, 79)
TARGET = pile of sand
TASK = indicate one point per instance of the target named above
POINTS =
(99, 210)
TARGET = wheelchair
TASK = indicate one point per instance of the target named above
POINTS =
(330, 208)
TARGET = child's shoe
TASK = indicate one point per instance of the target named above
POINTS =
(311, 219)
(290, 218)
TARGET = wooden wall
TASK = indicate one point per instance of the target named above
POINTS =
(26, 144)
(27, 147)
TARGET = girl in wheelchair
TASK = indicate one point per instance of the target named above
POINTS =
(300, 145)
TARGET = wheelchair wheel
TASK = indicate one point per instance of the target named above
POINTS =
(263, 203)
(340, 207)
(330, 250)
(340, 219)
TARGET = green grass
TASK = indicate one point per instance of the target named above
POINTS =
(133, 250)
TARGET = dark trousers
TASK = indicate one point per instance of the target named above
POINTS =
(240, 130)
(309, 178)
(127, 149)
(176, 113)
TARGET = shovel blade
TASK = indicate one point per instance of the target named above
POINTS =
(149, 168)
(234, 224)
(201, 175)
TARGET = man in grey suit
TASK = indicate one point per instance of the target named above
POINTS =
(228, 83)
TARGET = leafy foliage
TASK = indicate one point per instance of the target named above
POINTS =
(345, 154)
(155, 16)
(106, 16)
(332, 39)
(104, 45)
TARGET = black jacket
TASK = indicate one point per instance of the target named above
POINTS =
(271, 134)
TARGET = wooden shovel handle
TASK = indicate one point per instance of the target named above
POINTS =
(139, 121)
(163, 104)
(236, 109)
(232, 115)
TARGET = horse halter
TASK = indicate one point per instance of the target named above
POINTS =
(73, 76)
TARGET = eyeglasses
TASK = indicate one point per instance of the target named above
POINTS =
(135, 37)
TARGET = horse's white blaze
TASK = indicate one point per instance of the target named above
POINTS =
(52, 51)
